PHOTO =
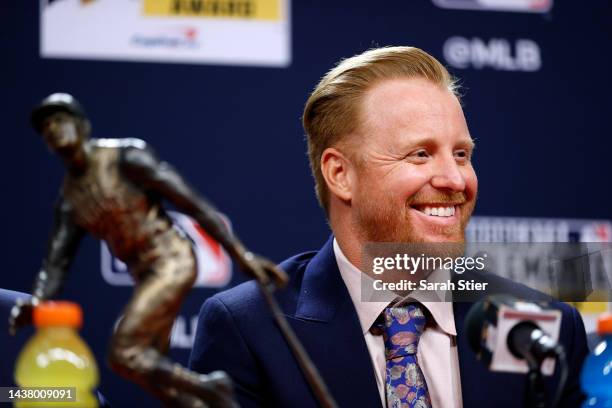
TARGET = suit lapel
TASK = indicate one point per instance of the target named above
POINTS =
(327, 324)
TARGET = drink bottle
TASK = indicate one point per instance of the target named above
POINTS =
(596, 377)
(56, 356)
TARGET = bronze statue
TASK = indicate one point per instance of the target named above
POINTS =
(114, 189)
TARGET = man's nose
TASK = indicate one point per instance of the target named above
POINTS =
(448, 175)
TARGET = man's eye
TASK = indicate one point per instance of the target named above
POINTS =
(462, 154)
(422, 154)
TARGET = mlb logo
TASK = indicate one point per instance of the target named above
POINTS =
(214, 265)
(521, 6)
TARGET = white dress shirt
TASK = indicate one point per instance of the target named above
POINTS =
(437, 350)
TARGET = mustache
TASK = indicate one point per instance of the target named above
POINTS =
(438, 198)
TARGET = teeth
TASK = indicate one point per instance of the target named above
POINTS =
(439, 211)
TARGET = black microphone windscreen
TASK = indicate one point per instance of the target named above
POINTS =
(474, 322)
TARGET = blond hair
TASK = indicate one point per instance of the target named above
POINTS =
(330, 113)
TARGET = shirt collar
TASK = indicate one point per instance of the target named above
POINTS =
(368, 311)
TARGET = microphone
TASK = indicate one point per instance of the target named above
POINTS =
(527, 341)
(512, 335)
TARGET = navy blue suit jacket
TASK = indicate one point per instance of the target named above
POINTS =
(236, 334)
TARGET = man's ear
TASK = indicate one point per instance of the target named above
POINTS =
(337, 171)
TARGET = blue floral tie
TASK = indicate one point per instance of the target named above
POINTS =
(405, 384)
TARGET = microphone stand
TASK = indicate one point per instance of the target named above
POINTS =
(533, 345)
(535, 397)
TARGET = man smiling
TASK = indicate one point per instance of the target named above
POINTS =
(405, 174)
(390, 152)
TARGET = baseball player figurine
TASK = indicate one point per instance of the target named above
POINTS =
(114, 190)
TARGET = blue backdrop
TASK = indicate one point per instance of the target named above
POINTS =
(542, 127)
